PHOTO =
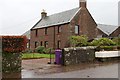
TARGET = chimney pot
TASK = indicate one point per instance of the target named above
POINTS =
(43, 14)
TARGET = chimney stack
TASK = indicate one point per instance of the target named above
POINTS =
(43, 14)
(82, 3)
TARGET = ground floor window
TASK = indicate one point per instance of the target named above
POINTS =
(58, 44)
(41, 43)
(36, 44)
(46, 44)
(28, 44)
(119, 35)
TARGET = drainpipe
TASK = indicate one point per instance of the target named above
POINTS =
(54, 39)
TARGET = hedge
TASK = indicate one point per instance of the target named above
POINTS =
(13, 44)
(11, 59)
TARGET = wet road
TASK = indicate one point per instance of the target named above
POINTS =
(110, 71)
(90, 70)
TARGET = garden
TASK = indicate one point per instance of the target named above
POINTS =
(39, 52)
(100, 43)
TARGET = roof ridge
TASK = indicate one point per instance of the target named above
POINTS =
(107, 24)
(63, 11)
(75, 14)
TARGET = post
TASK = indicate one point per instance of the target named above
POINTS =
(50, 58)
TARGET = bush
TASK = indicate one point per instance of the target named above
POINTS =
(47, 51)
(40, 49)
(103, 42)
(28, 51)
(107, 48)
(78, 41)
(116, 40)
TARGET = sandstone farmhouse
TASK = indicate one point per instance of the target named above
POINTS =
(53, 31)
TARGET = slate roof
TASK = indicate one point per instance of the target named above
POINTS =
(57, 19)
(107, 29)
(27, 34)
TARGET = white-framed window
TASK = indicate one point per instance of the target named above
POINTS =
(76, 29)
(59, 29)
(58, 44)
(36, 44)
(46, 29)
(46, 44)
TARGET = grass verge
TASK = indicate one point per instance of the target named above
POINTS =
(36, 56)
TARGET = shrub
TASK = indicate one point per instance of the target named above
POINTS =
(28, 51)
(78, 40)
(107, 48)
(103, 42)
(47, 51)
(116, 40)
(40, 49)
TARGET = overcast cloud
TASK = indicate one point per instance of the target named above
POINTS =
(18, 16)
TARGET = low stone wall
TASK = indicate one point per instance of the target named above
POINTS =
(78, 55)
(11, 65)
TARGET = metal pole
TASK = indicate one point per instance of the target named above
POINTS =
(50, 58)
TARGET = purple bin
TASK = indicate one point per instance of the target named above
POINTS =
(58, 55)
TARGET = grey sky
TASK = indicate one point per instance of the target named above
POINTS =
(18, 16)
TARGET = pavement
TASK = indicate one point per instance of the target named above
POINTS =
(38, 68)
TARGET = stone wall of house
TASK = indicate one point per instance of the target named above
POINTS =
(101, 34)
(52, 36)
(87, 25)
(79, 55)
(116, 33)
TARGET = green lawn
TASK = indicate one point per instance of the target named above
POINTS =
(36, 55)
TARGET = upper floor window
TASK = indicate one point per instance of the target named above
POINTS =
(36, 32)
(59, 29)
(46, 31)
(76, 29)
